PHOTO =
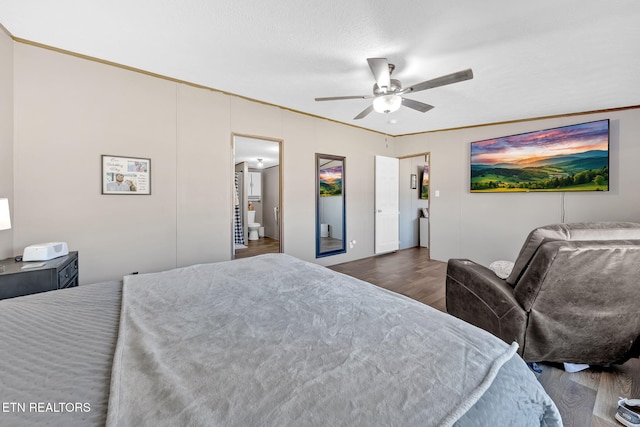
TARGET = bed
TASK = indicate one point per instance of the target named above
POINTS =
(271, 341)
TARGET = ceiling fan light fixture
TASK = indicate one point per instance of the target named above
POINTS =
(387, 92)
(387, 103)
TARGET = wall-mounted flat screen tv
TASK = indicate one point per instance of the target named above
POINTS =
(567, 158)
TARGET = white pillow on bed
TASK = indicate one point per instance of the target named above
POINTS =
(501, 268)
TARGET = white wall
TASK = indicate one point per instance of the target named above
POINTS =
(6, 136)
(204, 172)
(65, 111)
(69, 110)
(487, 227)
(359, 149)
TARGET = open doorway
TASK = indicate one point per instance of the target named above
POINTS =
(257, 216)
(414, 200)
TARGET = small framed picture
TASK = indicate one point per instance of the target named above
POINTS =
(126, 175)
(414, 181)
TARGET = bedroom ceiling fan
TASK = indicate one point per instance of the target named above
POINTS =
(388, 93)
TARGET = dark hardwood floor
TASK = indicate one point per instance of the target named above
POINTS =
(264, 245)
(408, 272)
(585, 399)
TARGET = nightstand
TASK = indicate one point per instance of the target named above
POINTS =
(58, 273)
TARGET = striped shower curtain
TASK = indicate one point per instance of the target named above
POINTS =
(238, 230)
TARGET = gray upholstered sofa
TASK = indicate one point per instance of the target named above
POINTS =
(573, 294)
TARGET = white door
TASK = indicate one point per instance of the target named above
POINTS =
(387, 204)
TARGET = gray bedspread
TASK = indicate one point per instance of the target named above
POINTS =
(56, 349)
(277, 341)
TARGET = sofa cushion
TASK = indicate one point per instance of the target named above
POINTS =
(571, 231)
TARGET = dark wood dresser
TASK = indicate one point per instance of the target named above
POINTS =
(58, 273)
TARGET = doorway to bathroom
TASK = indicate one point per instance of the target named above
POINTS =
(257, 216)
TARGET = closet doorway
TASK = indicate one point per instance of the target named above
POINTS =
(257, 194)
(414, 200)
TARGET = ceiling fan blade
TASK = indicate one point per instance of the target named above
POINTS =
(416, 105)
(364, 113)
(380, 69)
(339, 98)
(440, 81)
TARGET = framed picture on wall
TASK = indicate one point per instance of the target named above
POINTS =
(126, 175)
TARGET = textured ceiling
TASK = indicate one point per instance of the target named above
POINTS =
(251, 149)
(529, 58)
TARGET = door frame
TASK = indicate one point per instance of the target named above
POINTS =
(280, 185)
(428, 161)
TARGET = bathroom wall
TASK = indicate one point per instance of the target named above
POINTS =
(271, 199)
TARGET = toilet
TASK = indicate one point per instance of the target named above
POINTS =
(254, 226)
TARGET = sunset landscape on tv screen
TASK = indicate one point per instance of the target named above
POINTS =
(568, 158)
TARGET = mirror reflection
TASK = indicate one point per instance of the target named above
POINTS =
(330, 205)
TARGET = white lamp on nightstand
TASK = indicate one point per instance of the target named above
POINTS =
(5, 218)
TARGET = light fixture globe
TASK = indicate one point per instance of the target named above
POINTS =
(387, 103)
